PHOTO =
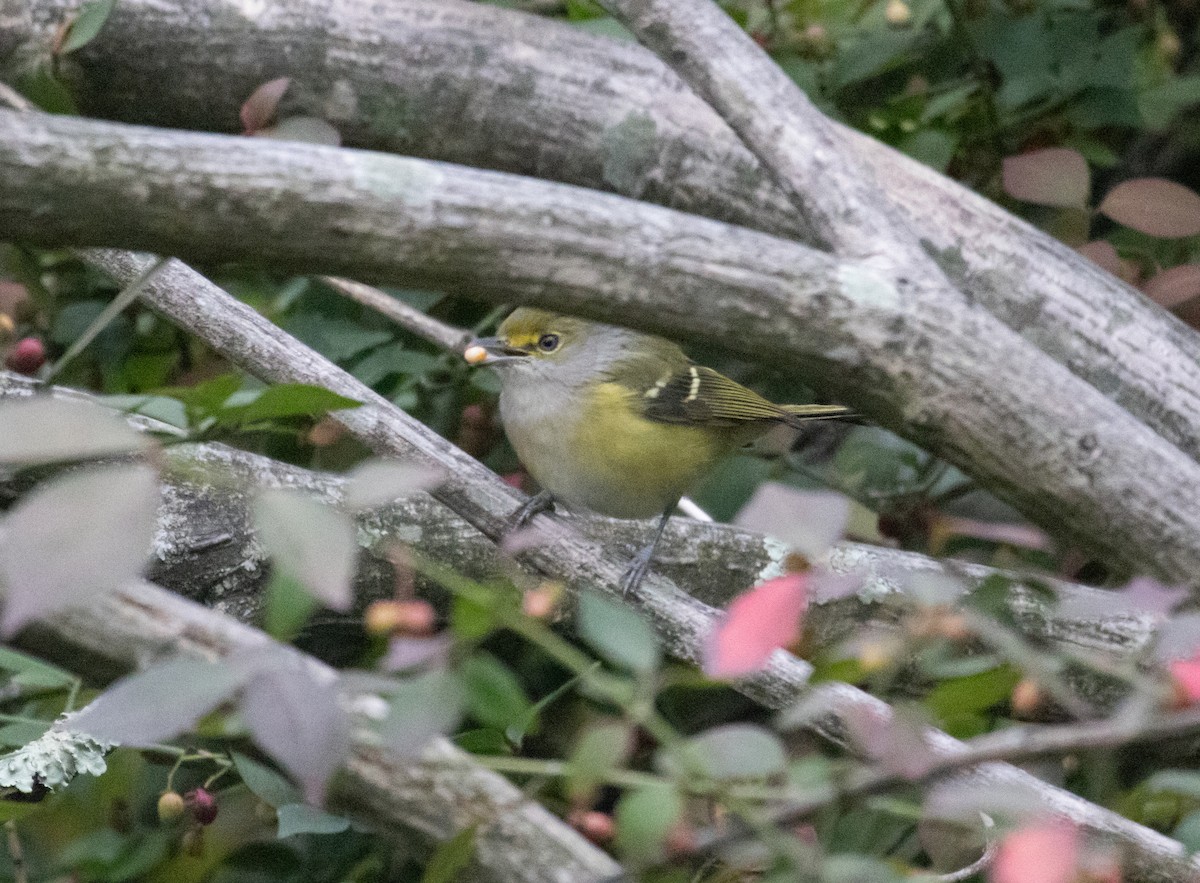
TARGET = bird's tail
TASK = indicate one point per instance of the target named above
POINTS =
(797, 414)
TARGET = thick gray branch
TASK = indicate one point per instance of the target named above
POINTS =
(206, 551)
(680, 621)
(945, 374)
(544, 99)
(432, 796)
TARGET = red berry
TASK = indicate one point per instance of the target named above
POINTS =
(203, 805)
(26, 356)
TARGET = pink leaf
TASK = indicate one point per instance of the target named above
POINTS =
(1154, 206)
(808, 521)
(1186, 674)
(292, 709)
(1055, 176)
(1102, 252)
(1175, 286)
(259, 108)
(1044, 852)
(757, 623)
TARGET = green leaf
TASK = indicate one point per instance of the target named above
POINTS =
(287, 607)
(204, 399)
(40, 672)
(271, 787)
(733, 751)
(495, 697)
(1187, 832)
(47, 91)
(483, 741)
(92, 16)
(283, 401)
(1160, 105)
(394, 359)
(1184, 782)
(644, 818)
(471, 621)
(22, 732)
(336, 339)
(424, 706)
(300, 818)
(603, 748)
(973, 693)
(451, 858)
(618, 634)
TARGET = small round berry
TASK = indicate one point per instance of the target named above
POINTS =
(171, 806)
(26, 356)
(203, 805)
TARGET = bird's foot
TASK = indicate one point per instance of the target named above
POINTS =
(636, 572)
(543, 501)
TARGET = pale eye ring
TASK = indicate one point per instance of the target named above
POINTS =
(548, 343)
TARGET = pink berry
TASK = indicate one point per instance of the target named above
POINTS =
(26, 356)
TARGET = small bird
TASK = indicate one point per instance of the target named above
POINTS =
(616, 421)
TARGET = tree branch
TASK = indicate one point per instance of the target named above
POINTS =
(541, 98)
(206, 551)
(680, 621)
(947, 374)
(432, 796)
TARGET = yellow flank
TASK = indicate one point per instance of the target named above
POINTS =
(635, 467)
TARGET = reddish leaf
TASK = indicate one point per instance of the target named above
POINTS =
(1044, 852)
(1175, 286)
(1055, 176)
(158, 703)
(1154, 206)
(75, 537)
(260, 107)
(757, 623)
(312, 543)
(1186, 674)
(808, 521)
(1102, 252)
(292, 708)
(1189, 312)
(895, 740)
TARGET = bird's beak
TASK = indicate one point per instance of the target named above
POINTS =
(491, 351)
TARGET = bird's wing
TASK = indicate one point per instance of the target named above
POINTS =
(701, 396)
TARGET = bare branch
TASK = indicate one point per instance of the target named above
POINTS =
(544, 99)
(409, 318)
(680, 621)
(206, 551)
(944, 373)
(432, 796)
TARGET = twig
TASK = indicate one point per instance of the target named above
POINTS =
(1013, 745)
(439, 333)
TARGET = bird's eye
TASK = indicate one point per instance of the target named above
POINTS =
(548, 343)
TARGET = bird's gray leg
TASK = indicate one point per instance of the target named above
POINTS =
(640, 565)
(542, 501)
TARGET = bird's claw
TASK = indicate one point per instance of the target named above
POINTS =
(636, 572)
(543, 501)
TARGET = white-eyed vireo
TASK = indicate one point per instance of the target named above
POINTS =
(615, 421)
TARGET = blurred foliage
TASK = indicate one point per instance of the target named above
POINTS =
(961, 85)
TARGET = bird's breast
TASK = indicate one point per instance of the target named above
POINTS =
(594, 448)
